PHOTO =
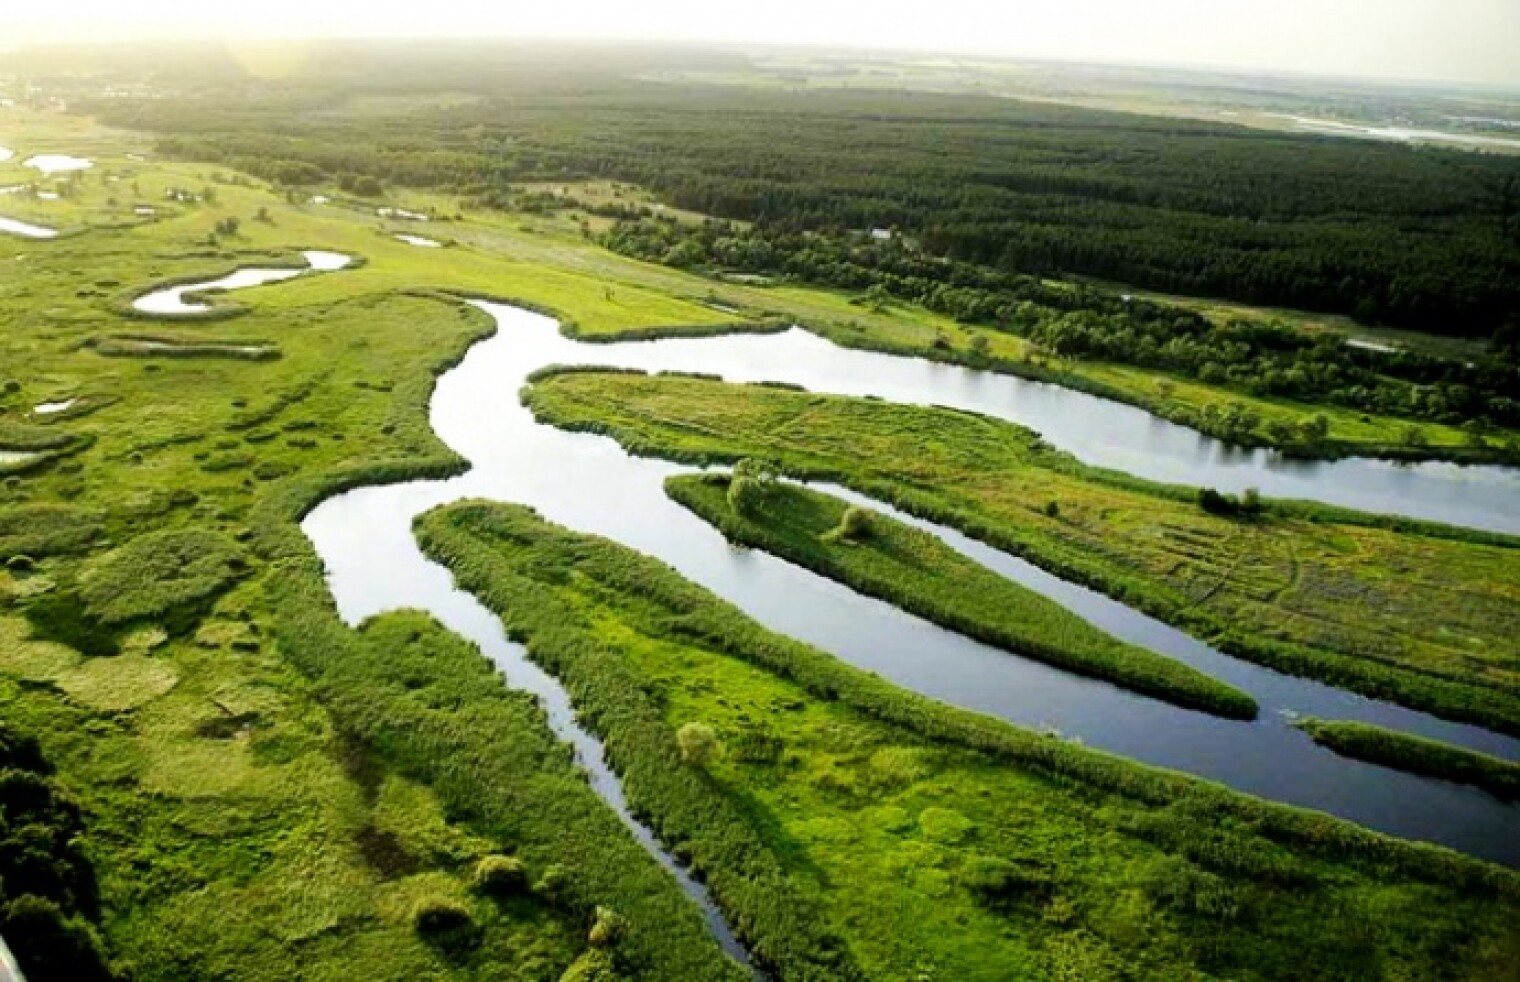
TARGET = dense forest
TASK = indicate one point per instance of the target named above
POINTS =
(1419, 238)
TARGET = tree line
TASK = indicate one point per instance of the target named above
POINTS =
(1412, 237)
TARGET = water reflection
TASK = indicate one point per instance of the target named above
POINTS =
(587, 483)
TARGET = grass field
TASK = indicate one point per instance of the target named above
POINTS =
(937, 843)
(1422, 618)
(240, 824)
(254, 807)
(918, 572)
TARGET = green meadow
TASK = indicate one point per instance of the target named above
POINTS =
(859, 831)
(249, 788)
(1434, 619)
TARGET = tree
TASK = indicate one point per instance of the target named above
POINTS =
(1315, 428)
(1215, 503)
(698, 743)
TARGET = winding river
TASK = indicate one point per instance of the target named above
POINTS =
(171, 302)
(26, 230)
(588, 483)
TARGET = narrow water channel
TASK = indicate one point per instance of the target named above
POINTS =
(26, 230)
(588, 483)
(171, 302)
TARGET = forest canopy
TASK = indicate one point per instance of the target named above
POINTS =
(1413, 237)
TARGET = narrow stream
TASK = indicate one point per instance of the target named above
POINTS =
(26, 230)
(588, 483)
(171, 302)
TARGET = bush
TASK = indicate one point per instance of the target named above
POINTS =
(63, 617)
(554, 884)
(51, 945)
(745, 495)
(699, 744)
(610, 926)
(47, 529)
(854, 524)
(500, 876)
(1215, 503)
(595, 965)
(440, 915)
(992, 879)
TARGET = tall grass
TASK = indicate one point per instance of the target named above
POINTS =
(918, 573)
(1417, 755)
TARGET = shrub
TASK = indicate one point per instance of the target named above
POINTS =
(51, 945)
(1250, 502)
(64, 618)
(854, 524)
(1178, 885)
(500, 876)
(745, 494)
(610, 926)
(440, 915)
(992, 879)
(595, 965)
(699, 744)
(1215, 503)
(554, 884)
(46, 529)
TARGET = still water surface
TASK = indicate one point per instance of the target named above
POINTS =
(588, 483)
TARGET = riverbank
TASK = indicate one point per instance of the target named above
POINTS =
(1417, 756)
(1264, 588)
(917, 572)
(893, 813)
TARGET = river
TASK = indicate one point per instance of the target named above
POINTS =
(588, 483)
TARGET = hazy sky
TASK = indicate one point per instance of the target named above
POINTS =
(1448, 40)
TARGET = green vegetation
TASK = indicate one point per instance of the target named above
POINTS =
(936, 842)
(1416, 755)
(263, 792)
(157, 572)
(242, 820)
(48, 895)
(45, 529)
(1419, 237)
(1264, 358)
(1414, 238)
(1424, 616)
(917, 572)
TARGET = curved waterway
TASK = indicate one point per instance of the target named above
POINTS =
(588, 483)
(26, 230)
(1102, 432)
(171, 302)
